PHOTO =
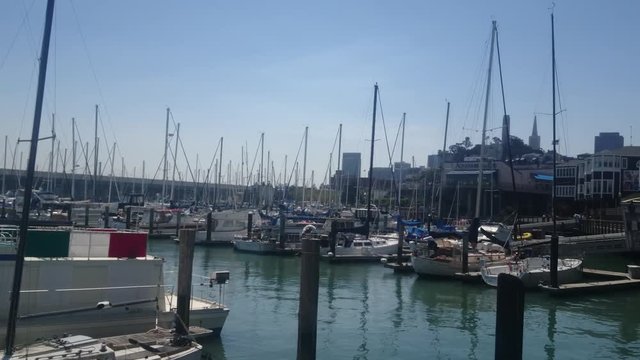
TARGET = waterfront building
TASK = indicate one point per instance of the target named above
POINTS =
(597, 183)
(607, 141)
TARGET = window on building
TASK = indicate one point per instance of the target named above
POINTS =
(624, 162)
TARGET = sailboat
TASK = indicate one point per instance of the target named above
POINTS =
(152, 345)
(542, 269)
(446, 256)
(349, 246)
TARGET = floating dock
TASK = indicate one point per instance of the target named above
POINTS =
(595, 281)
(474, 277)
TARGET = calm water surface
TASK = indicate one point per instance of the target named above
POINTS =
(367, 312)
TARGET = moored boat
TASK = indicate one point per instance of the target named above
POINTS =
(443, 257)
(94, 283)
(533, 271)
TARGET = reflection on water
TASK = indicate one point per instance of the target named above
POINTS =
(549, 347)
(367, 312)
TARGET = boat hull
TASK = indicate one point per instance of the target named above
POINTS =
(62, 296)
(265, 247)
(532, 274)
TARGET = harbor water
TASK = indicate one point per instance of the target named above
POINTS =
(367, 312)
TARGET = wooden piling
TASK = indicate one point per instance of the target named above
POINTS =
(127, 219)
(308, 309)
(249, 225)
(333, 233)
(185, 269)
(209, 225)
(178, 218)
(470, 237)
(106, 217)
(151, 216)
(400, 241)
(509, 318)
(281, 232)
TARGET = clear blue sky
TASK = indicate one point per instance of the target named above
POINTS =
(234, 69)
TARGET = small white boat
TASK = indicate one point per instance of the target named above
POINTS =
(356, 246)
(152, 345)
(533, 271)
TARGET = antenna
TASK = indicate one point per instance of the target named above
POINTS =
(630, 135)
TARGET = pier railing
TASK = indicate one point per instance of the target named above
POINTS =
(597, 226)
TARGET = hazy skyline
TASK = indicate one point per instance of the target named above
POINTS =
(237, 69)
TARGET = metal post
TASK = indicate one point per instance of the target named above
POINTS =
(308, 308)
(185, 269)
(86, 216)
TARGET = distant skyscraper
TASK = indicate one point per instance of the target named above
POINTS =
(351, 165)
(534, 139)
(608, 141)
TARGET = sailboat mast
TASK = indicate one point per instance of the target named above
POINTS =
(404, 116)
(304, 164)
(73, 158)
(442, 159)
(484, 121)
(339, 192)
(175, 154)
(164, 158)
(219, 172)
(113, 160)
(28, 187)
(553, 266)
(373, 139)
(53, 145)
(95, 155)
(4, 166)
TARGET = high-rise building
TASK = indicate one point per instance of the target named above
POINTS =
(351, 165)
(608, 141)
(534, 139)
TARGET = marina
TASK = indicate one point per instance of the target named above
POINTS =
(367, 311)
(502, 249)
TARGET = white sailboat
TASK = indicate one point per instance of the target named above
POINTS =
(542, 269)
(533, 271)
(444, 257)
(364, 247)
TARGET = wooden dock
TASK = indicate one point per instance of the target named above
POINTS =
(595, 281)
(579, 245)
(402, 268)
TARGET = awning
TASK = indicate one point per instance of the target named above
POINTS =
(543, 177)
(469, 172)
